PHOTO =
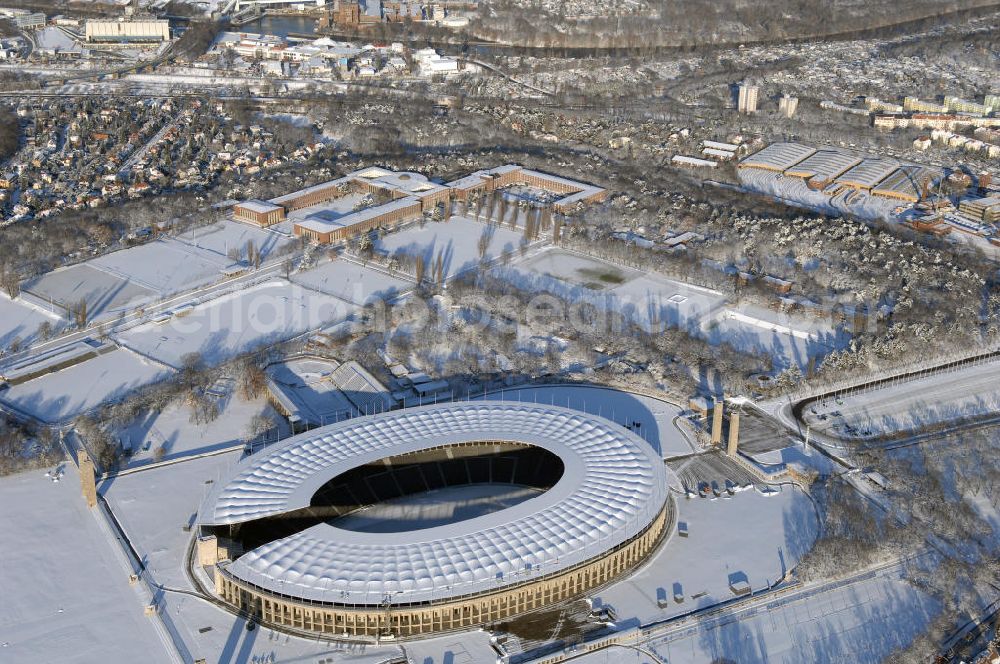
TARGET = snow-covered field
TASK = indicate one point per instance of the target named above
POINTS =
(173, 430)
(352, 282)
(754, 537)
(62, 395)
(585, 271)
(456, 241)
(227, 235)
(122, 280)
(65, 589)
(791, 340)
(237, 322)
(653, 301)
(106, 294)
(164, 266)
(20, 320)
(911, 405)
(649, 299)
(650, 418)
(174, 264)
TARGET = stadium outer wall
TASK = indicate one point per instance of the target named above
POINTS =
(402, 621)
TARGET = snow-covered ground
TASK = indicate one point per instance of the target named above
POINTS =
(122, 280)
(972, 391)
(791, 340)
(173, 430)
(105, 293)
(593, 273)
(66, 594)
(650, 418)
(164, 266)
(749, 536)
(653, 301)
(62, 395)
(456, 241)
(352, 282)
(862, 622)
(154, 506)
(648, 299)
(238, 322)
(20, 320)
(227, 235)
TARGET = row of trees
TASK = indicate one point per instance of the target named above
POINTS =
(694, 25)
(10, 133)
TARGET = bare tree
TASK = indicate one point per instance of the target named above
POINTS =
(11, 284)
(250, 379)
(80, 313)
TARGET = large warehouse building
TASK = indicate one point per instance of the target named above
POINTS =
(294, 536)
(833, 171)
(112, 31)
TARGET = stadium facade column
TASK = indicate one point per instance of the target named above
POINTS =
(734, 433)
(717, 409)
(88, 478)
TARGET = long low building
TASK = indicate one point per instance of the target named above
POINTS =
(405, 196)
(336, 229)
(485, 181)
(986, 210)
(868, 173)
(283, 539)
(823, 165)
(907, 183)
(778, 157)
(140, 31)
(261, 213)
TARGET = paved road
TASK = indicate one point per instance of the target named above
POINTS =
(147, 146)
(948, 382)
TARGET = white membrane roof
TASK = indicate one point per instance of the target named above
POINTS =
(612, 487)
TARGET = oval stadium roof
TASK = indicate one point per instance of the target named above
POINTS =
(613, 485)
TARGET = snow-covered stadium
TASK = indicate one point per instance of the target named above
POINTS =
(433, 518)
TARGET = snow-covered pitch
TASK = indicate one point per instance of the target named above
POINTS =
(613, 487)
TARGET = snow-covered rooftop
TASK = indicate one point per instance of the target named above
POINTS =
(869, 172)
(261, 207)
(325, 224)
(612, 487)
(778, 156)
